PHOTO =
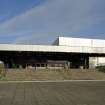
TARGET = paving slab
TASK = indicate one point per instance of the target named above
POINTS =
(53, 93)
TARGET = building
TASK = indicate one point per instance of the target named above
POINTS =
(65, 52)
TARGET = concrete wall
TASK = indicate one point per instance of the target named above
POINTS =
(65, 41)
(51, 48)
(83, 42)
(95, 61)
(98, 43)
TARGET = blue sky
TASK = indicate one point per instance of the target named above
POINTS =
(41, 21)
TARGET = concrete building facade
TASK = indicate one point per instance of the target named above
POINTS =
(65, 52)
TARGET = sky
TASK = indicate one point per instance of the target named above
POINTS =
(42, 21)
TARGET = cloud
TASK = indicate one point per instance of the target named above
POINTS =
(54, 16)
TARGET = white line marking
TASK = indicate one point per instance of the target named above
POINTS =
(53, 81)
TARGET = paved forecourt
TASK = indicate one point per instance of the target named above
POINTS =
(53, 93)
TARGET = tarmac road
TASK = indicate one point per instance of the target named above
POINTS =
(53, 93)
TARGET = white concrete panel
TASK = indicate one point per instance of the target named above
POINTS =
(87, 49)
(98, 43)
(46, 48)
(83, 42)
(101, 60)
(93, 61)
(96, 61)
(74, 41)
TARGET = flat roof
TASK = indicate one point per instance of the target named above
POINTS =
(51, 48)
